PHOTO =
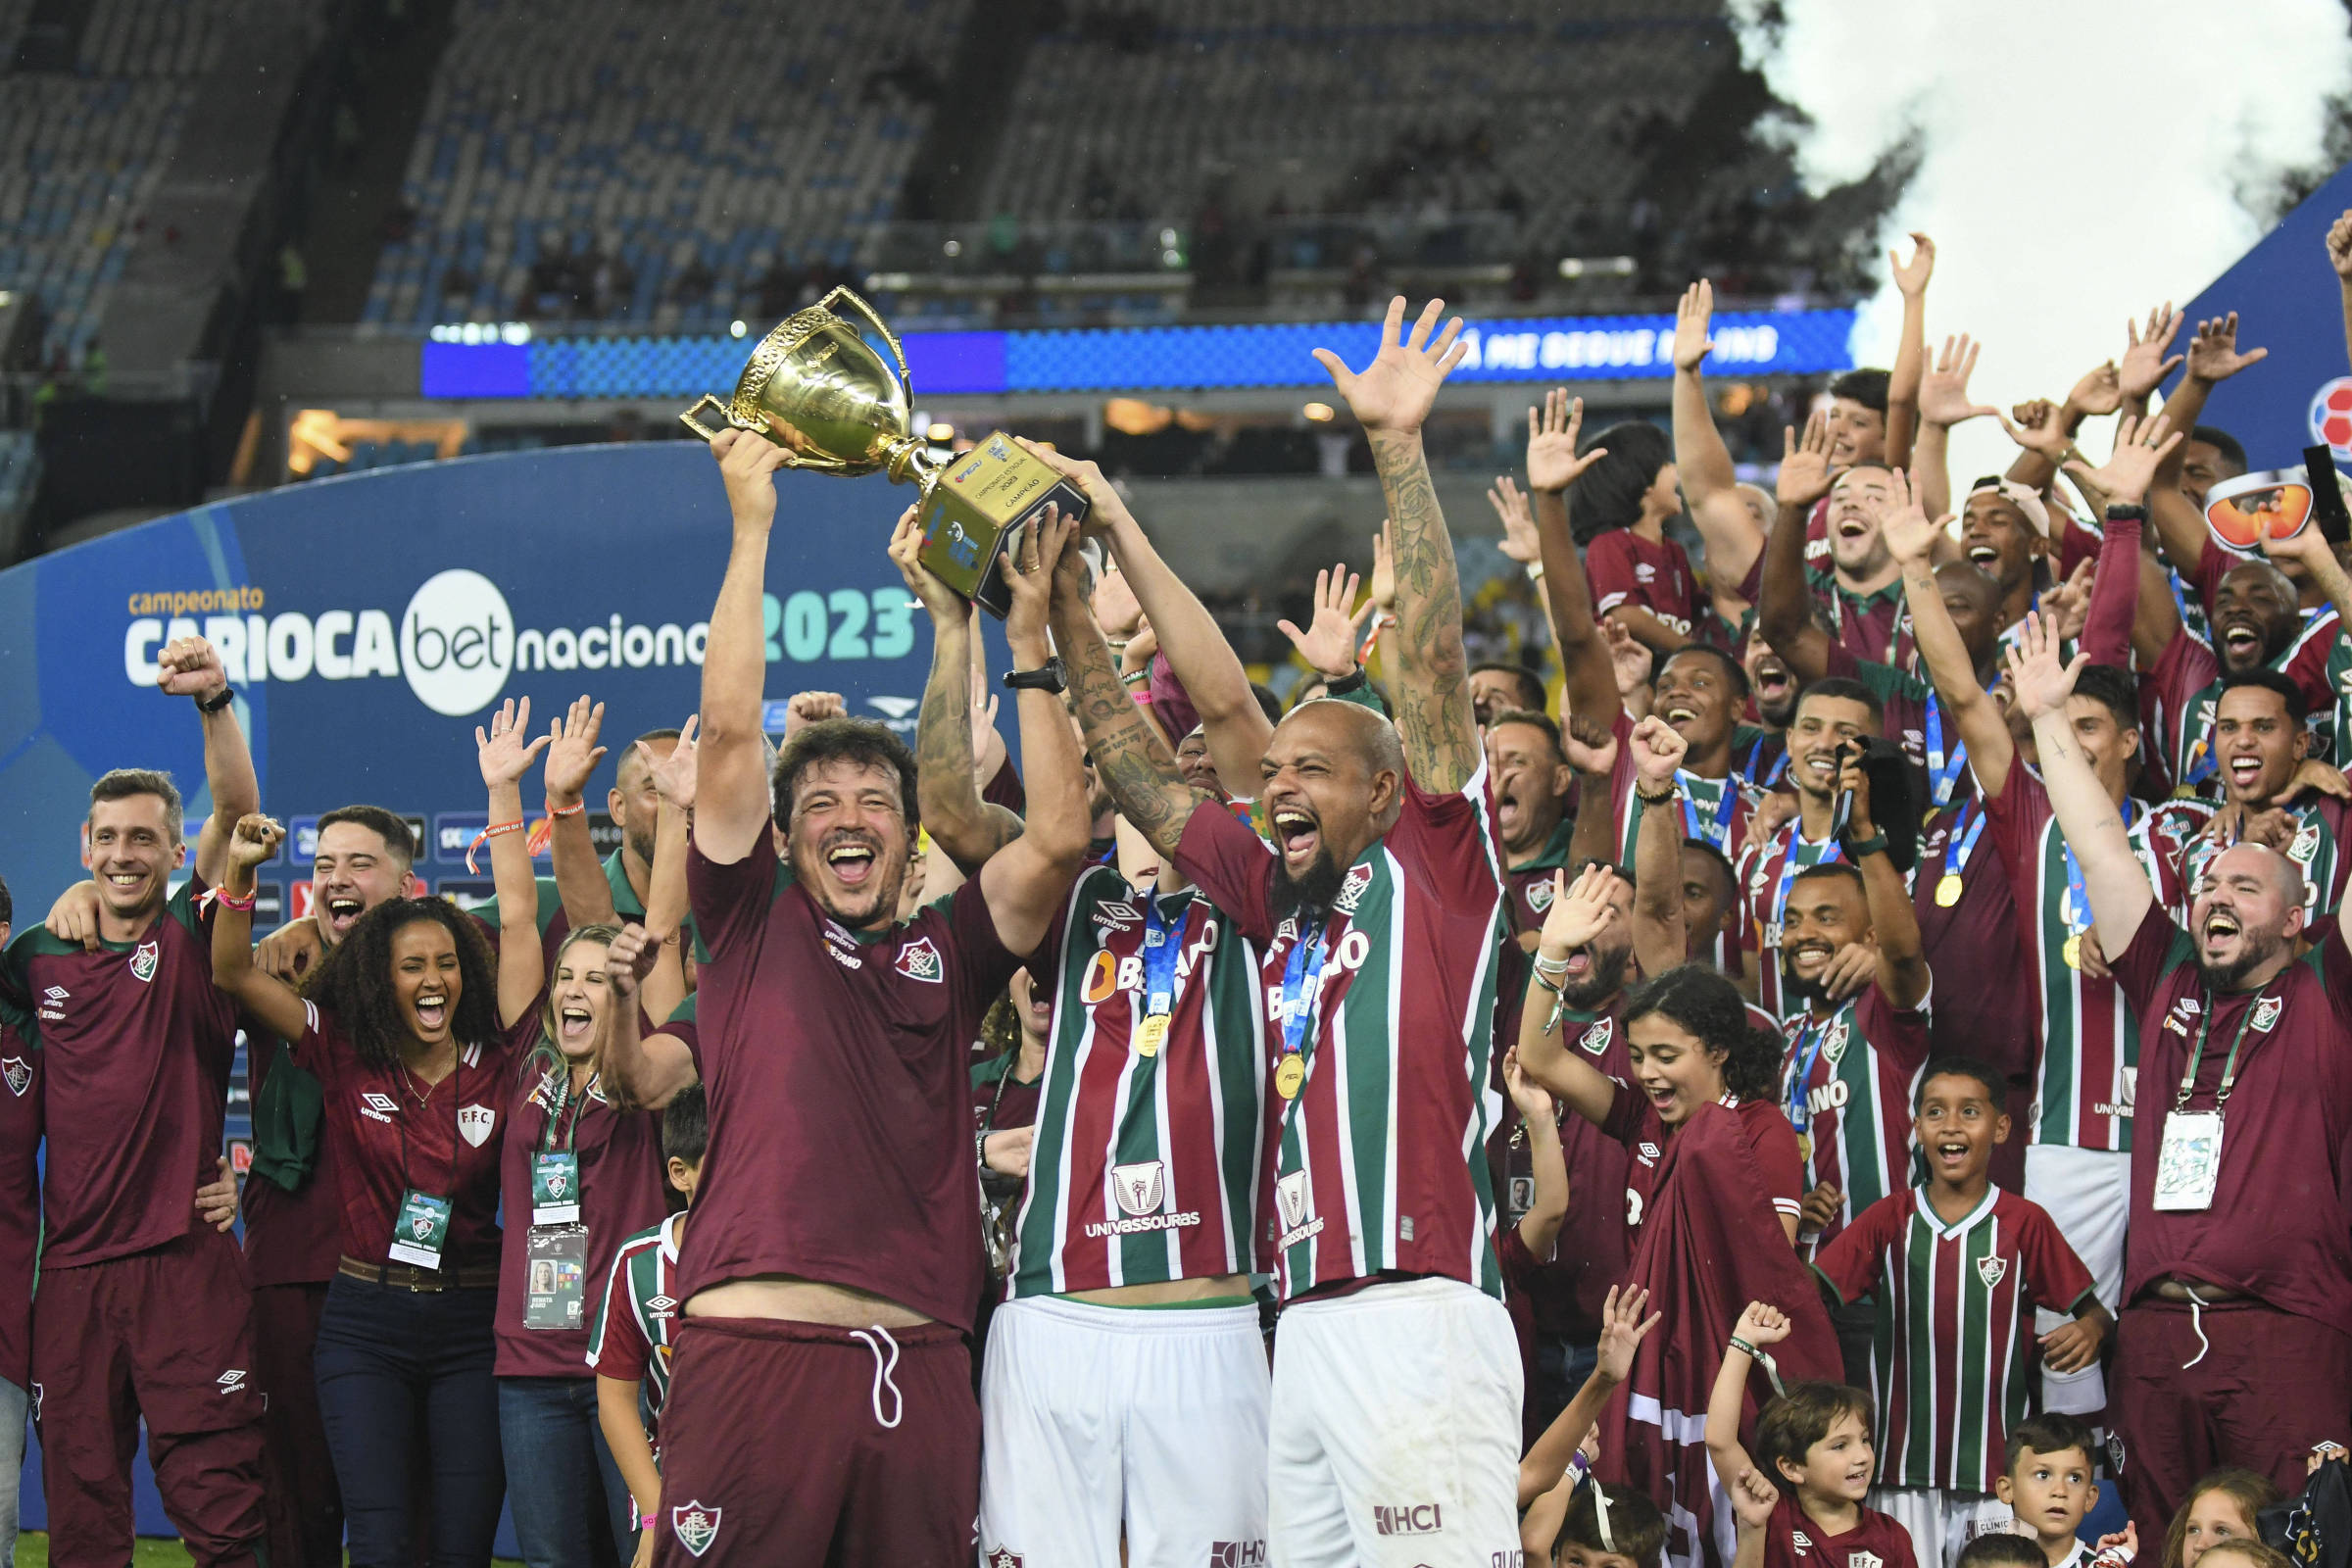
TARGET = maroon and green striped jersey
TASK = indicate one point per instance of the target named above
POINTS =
(2086, 1077)
(1767, 868)
(630, 1340)
(1953, 1359)
(1846, 1087)
(2321, 827)
(1149, 1153)
(1381, 1163)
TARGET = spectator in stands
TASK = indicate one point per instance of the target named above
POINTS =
(1619, 508)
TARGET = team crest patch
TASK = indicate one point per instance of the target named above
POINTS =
(1359, 877)
(697, 1526)
(1290, 1196)
(920, 961)
(1539, 896)
(1141, 1189)
(144, 959)
(475, 1122)
(2306, 845)
(1595, 1040)
(1990, 1269)
(1004, 1557)
(1834, 1044)
(1864, 1559)
(2266, 1012)
(16, 1072)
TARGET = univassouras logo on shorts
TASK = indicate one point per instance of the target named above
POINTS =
(456, 643)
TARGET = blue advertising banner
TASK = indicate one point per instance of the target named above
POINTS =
(2288, 301)
(369, 621)
(510, 362)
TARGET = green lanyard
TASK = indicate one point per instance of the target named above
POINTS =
(564, 1100)
(2196, 1057)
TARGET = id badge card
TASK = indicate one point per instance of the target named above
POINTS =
(556, 1188)
(420, 1229)
(554, 1277)
(2190, 1162)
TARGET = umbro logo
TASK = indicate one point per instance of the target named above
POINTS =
(56, 994)
(231, 1381)
(1649, 1153)
(662, 1305)
(378, 1108)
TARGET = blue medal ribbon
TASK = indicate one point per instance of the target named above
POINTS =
(1958, 847)
(1789, 869)
(1814, 1035)
(1302, 987)
(1159, 959)
(2075, 896)
(1944, 772)
(1725, 803)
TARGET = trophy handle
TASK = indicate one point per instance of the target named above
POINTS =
(843, 293)
(718, 411)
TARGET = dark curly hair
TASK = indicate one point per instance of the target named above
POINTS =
(1699, 999)
(353, 981)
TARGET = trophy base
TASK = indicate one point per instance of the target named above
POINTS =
(977, 502)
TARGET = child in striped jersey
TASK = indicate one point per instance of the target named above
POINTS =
(629, 1346)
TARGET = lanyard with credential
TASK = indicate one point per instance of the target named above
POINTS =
(1302, 989)
(563, 1100)
(2196, 1057)
(455, 1134)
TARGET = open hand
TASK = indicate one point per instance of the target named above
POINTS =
(2213, 351)
(2320, 777)
(1631, 660)
(1943, 389)
(2070, 600)
(1329, 642)
(1579, 911)
(1622, 1329)
(1852, 970)
(2144, 367)
(1395, 391)
(1697, 311)
(2139, 446)
(1911, 277)
(2041, 680)
(73, 917)
(572, 752)
(1908, 533)
(673, 775)
(2101, 391)
(1804, 476)
(1552, 431)
(1519, 541)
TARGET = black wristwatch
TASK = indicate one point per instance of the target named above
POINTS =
(1348, 685)
(218, 701)
(1050, 677)
(1860, 849)
(2127, 512)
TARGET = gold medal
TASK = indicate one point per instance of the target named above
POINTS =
(1289, 1074)
(2073, 952)
(1804, 1147)
(1947, 891)
(1150, 1031)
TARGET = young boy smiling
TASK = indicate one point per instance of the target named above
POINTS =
(1956, 1268)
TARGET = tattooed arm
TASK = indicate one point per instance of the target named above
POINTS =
(1135, 764)
(1430, 685)
(947, 786)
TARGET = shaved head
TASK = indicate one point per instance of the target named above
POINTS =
(1376, 738)
(1331, 783)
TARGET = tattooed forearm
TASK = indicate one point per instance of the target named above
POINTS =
(1135, 764)
(944, 783)
(1432, 690)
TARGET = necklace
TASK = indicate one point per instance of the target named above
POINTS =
(411, 1078)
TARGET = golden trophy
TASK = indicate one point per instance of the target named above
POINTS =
(817, 388)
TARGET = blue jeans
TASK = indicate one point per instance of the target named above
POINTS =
(12, 1403)
(1561, 1367)
(571, 1508)
(389, 1361)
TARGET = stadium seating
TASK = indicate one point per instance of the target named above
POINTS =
(651, 165)
(80, 153)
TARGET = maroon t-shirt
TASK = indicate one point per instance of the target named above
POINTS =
(2280, 1226)
(1972, 938)
(19, 1192)
(290, 1238)
(835, 1064)
(620, 1193)
(1627, 572)
(138, 1047)
(1633, 1122)
(1875, 1542)
(392, 1131)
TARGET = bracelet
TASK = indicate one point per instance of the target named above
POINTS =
(980, 1147)
(218, 701)
(1535, 571)
(1137, 677)
(1876, 844)
(1550, 966)
(574, 809)
(229, 901)
(1660, 799)
(2126, 512)
(1743, 1347)
(1345, 685)
(648, 1521)
(494, 830)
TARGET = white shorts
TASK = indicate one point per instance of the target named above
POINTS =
(1396, 1433)
(1941, 1523)
(2087, 1195)
(1097, 1420)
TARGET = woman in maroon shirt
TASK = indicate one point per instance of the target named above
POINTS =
(403, 1026)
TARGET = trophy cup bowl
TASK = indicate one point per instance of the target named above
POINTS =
(815, 387)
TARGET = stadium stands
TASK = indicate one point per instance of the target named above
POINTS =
(651, 165)
(80, 152)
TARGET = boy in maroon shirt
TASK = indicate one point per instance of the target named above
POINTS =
(2234, 1345)
(821, 1406)
(143, 1310)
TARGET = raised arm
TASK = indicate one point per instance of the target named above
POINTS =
(1390, 398)
(1982, 729)
(2213, 357)
(1135, 764)
(947, 784)
(571, 756)
(667, 905)
(1903, 412)
(1760, 1326)
(1660, 938)
(1942, 403)
(506, 751)
(1622, 1331)
(649, 1069)
(733, 803)
(1710, 485)
(2111, 875)
(1211, 673)
(1553, 464)
(1902, 971)
(1025, 881)
(2310, 549)
(1579, 912)
(1540, 1226)
(189, 667)
(270, 1001)
(1785, 602)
